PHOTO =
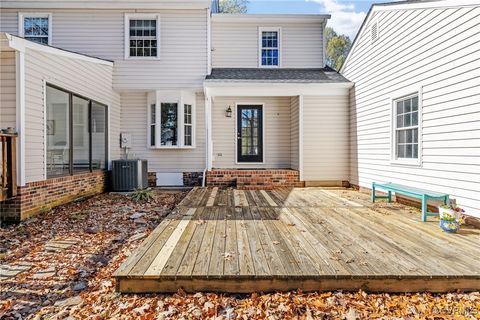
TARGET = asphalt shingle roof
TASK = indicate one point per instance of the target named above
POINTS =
(311, 75)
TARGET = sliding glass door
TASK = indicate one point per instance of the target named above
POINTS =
(76, 130)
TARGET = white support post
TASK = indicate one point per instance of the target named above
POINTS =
(300, 136)
(208, 122)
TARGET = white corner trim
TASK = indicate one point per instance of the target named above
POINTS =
(23, 15)
(45, 115)
(140, 16)
(21, 44)
(300, 136)
(20, 121)
(399, 94)
(209, 42)
(279, 41)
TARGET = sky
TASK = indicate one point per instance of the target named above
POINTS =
(347, 15)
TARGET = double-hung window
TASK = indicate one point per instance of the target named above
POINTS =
(187, 125)
(142, 36)
(269, 43)
(153, 124)
(406, 129)
(36, 27)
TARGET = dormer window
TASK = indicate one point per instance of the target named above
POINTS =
(269, 43)
(36, 27)
(142, 36)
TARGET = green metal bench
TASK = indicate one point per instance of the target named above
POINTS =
(423, 195)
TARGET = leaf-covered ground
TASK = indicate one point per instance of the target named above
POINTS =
(75, 282)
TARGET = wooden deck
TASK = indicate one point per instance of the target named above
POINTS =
(310, 238)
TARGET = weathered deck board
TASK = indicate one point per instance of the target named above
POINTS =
(309, 238)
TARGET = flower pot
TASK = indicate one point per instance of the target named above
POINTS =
(449, 226)
(450, 212)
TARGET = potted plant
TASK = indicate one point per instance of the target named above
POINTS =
(450, 219)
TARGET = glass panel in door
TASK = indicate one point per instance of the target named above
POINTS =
(249, 134)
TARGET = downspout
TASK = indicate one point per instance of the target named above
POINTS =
(207, 99)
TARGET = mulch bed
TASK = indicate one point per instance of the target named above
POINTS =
(74, 249)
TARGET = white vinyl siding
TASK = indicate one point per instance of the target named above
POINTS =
(7, 89)
(134, 121)
(84, 78)
(236, 44)
(326, 138)
(9, 21)
(183, 46)
(294, 132)
(276, 138)
(439, 51)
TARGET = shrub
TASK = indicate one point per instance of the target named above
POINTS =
(142, 195)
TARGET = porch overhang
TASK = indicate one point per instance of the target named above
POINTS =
(278, 89)
(275, 82)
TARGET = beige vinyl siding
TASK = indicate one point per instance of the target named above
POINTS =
(326, 138)
(294, 132)
(276, 138)
(9, 21)
(100, 33)
(235, 44)
(134, 121)
(438, 50)
(7, 89)
(84, 78)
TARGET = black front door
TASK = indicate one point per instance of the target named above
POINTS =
(249, 133)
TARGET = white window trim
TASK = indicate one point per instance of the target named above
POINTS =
(23, 15)
(271, 29)
(191, 124)
(240, 163)
(150, 124)
(399, 95)
(180, 124)
(139, 16)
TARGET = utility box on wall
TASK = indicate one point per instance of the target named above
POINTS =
(128, 175)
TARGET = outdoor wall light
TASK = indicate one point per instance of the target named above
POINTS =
(228, 112)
